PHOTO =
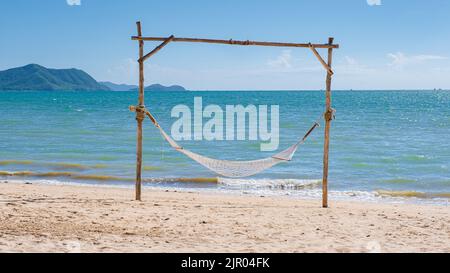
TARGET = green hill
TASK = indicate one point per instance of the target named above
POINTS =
(118, 87)
(36, 77)
(159, 87)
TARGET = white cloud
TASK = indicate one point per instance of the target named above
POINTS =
(125, 71)
(284, 60)
(350, 66)
(73, 2)
(374, 2)
(287, 71)
(350, 60)
(399, 59)
(429, 57)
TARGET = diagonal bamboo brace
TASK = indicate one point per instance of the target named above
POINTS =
(156, 49)
(325, 65)
(141, 110)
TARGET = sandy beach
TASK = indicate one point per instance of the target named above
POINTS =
(51, 218)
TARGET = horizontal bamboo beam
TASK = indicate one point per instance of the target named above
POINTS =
(156, 49)
(234, 42)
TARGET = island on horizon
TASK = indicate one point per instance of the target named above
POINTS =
(37, 77)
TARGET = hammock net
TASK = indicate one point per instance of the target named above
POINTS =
(229, 168)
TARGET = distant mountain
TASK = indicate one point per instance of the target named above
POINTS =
(159, 87)
(36, 77)
(119, 87)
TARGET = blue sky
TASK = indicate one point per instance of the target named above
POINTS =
(399, 44)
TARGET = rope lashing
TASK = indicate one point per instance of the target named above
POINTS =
(330, 114)
(141, 111)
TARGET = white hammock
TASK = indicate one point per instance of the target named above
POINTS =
(230, 168)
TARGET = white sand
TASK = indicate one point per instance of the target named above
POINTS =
(41, 218)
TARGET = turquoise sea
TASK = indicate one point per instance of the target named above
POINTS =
(385, 145)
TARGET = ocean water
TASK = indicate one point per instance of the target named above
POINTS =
(384, 144)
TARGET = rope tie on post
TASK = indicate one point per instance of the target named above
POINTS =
(140, 111)
(329, 114)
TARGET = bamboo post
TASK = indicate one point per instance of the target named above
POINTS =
(139, 115)
(328, 117)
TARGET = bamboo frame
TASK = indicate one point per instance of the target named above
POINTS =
(140, 108)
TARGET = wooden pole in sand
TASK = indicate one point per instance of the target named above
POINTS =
(328, 117)
(140, 115)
